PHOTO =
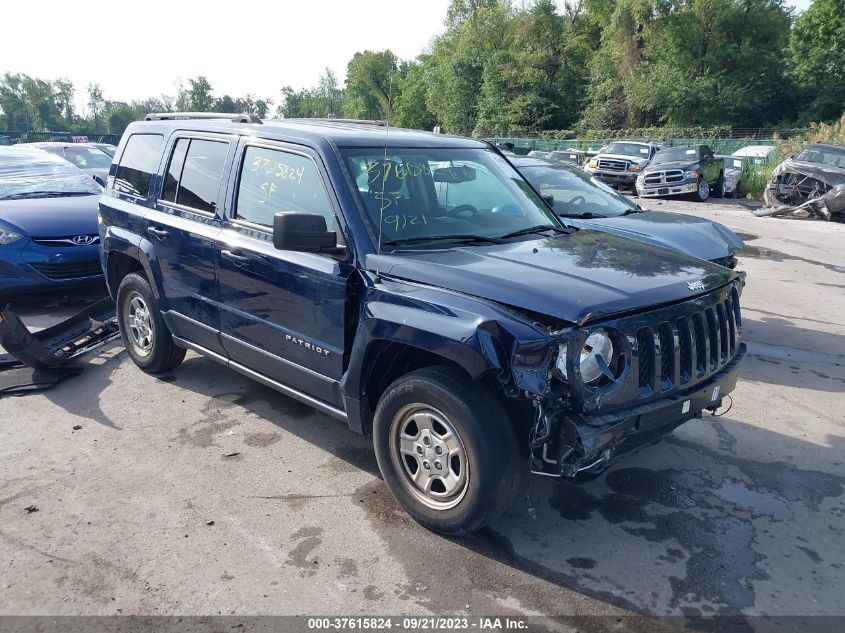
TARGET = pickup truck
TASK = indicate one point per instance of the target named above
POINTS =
(684, 170)
(620, 162)
(416, 287)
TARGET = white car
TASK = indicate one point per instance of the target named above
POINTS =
(756, 153)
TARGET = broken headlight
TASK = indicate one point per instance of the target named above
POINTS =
(594, 358)
(8, 236)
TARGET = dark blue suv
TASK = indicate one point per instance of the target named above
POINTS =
(415, 286)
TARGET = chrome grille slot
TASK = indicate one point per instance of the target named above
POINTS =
(712, 338)
(645, 357)
(685, 350)
(729, 313)
(700, 339)
(723, 333)
(666, 342)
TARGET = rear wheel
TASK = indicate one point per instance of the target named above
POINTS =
(447, 450)
(145, 335)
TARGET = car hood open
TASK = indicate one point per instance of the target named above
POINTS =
(52, 217)
(577, 277)
(686, 233)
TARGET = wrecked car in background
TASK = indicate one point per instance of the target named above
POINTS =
(589, 203)
(816, 174)
(416, 287)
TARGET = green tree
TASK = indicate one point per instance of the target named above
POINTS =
(409, 104)
(96, 102)
(817, 56)
(710, 62)
(371, 84)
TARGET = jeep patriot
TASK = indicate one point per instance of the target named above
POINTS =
(415, 286)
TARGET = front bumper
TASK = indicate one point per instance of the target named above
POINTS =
(667, 189)
(618, 178)
(603, 439)
(27, 266)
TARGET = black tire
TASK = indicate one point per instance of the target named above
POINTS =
(703, 192)
(494, 466)
(162, 354)
(719, 188)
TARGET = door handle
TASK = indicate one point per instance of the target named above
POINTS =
(157, 232)
(234, 257)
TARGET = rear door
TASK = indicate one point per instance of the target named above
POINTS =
(283, 313)
(183, 226)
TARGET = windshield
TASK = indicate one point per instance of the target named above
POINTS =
(675, 154)
(575, 193)
(833, 156)
(627, 149)
(88, 157)
(733, 163)
(425, 193)
(33, 173)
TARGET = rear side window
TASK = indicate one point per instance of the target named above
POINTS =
(274, 181)
(194, 173)
(138, 164)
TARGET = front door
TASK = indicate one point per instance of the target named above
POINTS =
(183, 226)
(282, 313)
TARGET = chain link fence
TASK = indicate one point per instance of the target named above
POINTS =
(12, 137)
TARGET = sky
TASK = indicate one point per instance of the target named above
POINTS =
(141, 49)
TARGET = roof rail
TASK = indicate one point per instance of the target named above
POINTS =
(179, 116)
(336, 120)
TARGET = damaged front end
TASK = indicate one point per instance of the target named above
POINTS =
(618, 385)
(800, 186)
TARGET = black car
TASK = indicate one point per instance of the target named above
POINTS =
(416, 287)
(685, 170)
(588, 202)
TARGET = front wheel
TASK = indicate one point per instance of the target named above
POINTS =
(144, 333)
(703, 191)
(447, 450)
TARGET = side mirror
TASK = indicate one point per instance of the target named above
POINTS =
(99, 180)
(549, 199)
(304, 232)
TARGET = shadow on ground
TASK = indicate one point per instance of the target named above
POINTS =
(692, 526)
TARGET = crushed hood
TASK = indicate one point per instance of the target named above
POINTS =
(686, 233)
(51, 217)
(575, 277)
(826, 173)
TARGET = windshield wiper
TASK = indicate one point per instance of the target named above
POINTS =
(585, 214)
(639, 209)
(461, 237)
(46, 194)
(535, 229)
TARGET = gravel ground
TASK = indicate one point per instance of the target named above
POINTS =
(200, 492)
